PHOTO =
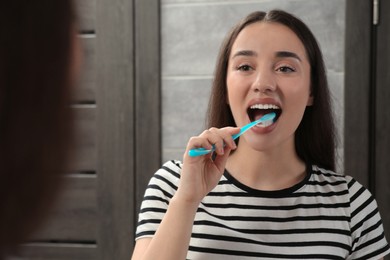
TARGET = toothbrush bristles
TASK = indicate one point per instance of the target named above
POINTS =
(265, 123)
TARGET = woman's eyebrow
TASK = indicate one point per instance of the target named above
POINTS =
(245, 53)
(287, 54)
(278, 54)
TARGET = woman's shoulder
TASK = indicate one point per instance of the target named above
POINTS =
(172, 166)
(170, 171)
(323, 175)
(165, 180)
(351, 185)
(329, 174)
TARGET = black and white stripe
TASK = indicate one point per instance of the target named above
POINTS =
(326, 216)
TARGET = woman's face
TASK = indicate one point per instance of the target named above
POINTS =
(268, 71)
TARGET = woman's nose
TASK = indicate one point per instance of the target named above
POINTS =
(264, 82)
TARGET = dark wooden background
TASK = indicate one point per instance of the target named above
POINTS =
(118, 125)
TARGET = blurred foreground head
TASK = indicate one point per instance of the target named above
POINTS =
(37, 44)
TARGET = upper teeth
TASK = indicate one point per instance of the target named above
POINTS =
(264, 106)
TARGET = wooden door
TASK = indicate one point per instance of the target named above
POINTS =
(381, 108)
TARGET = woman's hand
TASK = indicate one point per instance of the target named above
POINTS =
(201, 174)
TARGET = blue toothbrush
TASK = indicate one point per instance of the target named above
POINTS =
(264, 119)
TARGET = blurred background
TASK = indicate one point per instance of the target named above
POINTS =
(147, 74)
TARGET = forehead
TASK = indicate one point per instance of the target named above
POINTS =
(265, 37)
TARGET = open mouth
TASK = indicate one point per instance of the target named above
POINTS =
(258, 110)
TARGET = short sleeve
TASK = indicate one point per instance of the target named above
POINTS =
(368, 238)
(156, 199)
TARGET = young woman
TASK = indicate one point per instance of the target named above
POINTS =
(274, 193)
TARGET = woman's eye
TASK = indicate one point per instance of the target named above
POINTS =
(244, 67)
(285, 69)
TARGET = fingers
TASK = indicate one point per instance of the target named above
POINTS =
(220, 160)
(219, 139)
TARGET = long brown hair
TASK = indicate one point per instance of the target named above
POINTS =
(35, 116)
(315, 136)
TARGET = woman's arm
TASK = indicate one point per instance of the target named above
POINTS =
(172, 238)
(199, 175)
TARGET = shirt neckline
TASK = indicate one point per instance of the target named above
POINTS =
(271, 193)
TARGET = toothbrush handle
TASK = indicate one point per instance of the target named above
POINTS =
(202, 151)
(199, 151)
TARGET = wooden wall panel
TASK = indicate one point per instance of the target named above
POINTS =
(357, 83)
(115, 127)
(84, 152)
(382, 152)
(74, 218)
(148, 95)
(86, 10)
(85, 90)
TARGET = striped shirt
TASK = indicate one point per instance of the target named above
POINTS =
(326, 216)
